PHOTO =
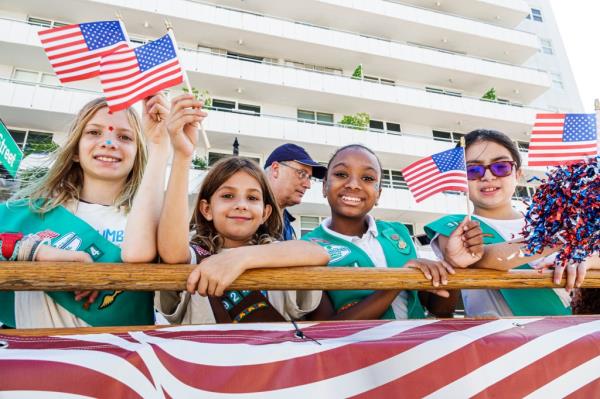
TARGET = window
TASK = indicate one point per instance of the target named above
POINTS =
(546, 46)
(309, 223)
(523, 192)
(322, 118)
(452, 137)
(536, 15)
(232, 106)
(384, 127)
(557, 82)
(393, 179)
(317, 68)
(375, 79)
(32, 141)
(35, 77)
(223, 104)
(443, 91)
(46, 23)
(138, 40)
(213, 157)
(523, 146)
(244, 57)
(252, 109)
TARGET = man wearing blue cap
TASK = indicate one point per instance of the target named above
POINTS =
(290, 170)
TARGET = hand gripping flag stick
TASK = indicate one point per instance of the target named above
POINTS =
(186, 80)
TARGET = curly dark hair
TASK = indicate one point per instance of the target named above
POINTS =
(586, 301)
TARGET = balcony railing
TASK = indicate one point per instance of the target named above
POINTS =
(336, 74)
(242, 11)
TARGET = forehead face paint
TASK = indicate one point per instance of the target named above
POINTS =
(110, 128)
(108, 142)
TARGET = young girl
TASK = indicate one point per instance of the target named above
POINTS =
(82, 204)
(237, 221)
(353, 238)
(493, 170)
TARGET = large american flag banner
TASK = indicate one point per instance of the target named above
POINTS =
(74, 51)
(506, 358)
(557, 139)
(130, 75)
(444, 171)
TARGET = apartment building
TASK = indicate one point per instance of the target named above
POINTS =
(290, 71)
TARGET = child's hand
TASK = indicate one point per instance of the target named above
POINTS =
(575, 271)
(465, 244)
(47, 253)
(436, 271)
(182, 124)
(214, 274)
(154, 115)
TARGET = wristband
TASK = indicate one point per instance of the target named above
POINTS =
(10, 245)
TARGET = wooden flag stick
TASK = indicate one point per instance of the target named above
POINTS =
(186, 80)
(463, 146)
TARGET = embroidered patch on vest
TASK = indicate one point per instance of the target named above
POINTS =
(95, 252)
(336, 252)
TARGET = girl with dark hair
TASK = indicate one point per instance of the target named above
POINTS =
(235, 227)
(353, 237)
(493, 170)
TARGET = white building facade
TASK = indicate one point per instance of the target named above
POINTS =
(282, 71)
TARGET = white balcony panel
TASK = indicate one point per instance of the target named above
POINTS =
(299, 88)
(408, 23)
(51, 109)
(281, 39)
(505, 13)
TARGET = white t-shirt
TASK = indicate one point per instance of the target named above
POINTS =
(368, 243)
(35, 309)
(491, 303)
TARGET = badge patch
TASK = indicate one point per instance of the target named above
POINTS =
(94, 252)
(337, 252)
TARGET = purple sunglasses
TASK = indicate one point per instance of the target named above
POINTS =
(498, 169)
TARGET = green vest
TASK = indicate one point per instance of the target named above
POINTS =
(65, 230)
(397, 248)
(522, 302)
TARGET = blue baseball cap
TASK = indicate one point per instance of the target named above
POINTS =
(293, 152)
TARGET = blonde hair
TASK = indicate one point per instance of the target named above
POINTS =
(204, 230)
(64, 180)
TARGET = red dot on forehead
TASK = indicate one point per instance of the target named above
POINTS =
(110, 128)
(110, 112)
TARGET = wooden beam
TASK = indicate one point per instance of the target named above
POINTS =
(68, 276)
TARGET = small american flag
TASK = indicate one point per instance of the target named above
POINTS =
(130, 75)
(439, 172)
(557, 139)
(74, 51)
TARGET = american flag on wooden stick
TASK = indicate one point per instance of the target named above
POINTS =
(130, 75)
(444, 171)
(74, 51)
(557, 139)
(504, 358)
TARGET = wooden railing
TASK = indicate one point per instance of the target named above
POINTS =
(68, 276)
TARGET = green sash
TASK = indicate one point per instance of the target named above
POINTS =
(522, 302)
(112, 308)
(397, 248)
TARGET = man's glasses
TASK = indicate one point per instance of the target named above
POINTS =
(498, 169)
(302, 174)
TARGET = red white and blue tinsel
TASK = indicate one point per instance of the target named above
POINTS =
(565, 213)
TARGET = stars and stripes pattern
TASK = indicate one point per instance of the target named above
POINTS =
(521, 357)
(130, 75)
(74, 51)
(557, 139)
(444, 171)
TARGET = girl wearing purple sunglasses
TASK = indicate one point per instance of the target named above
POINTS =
(493, 170)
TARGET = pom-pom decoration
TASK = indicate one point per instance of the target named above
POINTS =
(565, 213)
